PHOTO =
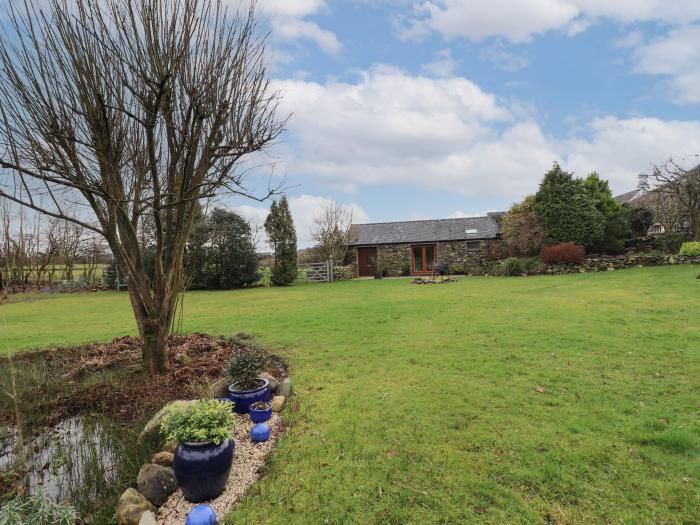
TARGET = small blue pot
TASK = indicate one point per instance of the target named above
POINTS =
(260, 416)
(202, 469)
(244, 398)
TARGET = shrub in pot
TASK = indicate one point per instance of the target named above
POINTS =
(246, 387)
(204, 453)
(260, 411)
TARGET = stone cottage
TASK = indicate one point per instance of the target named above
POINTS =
(419, 247)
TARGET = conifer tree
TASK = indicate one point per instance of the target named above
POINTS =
(279, 226)
(566, 210)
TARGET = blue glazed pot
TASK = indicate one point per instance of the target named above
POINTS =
(260, 416)
(202, 469)
(244, 398)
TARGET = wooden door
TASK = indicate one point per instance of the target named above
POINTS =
(422, 259)
(366, 262)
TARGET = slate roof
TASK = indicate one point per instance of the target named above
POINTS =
(630, 196)
(425, 231)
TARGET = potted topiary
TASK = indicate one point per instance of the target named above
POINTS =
(246, 387)
(204, 453)
(260, 411)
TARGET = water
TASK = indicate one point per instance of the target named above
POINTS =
(84, 461)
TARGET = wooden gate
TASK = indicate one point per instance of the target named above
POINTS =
(318, 272)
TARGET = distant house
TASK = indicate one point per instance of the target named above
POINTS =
(418, 247)
(644, 199)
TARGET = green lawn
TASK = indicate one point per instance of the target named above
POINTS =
(417, 404)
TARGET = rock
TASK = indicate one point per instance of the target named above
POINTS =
(285, 388)
(274, 384)
(148, 518)
(131, 507)
(156, 483)
(164, 459)
(152, 429)
(277, 403)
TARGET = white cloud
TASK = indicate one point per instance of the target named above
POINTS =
(289, 22)
(294, 29)
(619, 149)
(291, 8)
(520, 20)
(503, 59)
(443, 65)
(676, 56)
(303, 209)
(393, 129)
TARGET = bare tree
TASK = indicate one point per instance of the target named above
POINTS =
(133, 108)
(667, 209)
(679, 184)
(331, 230)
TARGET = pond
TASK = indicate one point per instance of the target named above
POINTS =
(85, 461)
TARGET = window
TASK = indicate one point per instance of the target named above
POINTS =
(473, 246)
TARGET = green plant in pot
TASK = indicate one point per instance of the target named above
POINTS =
(247, 387)
(204, 453)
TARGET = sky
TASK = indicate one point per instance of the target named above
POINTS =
(413, 109)
(419, 109)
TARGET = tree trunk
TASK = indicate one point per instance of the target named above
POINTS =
(154, 325)
(154, 333)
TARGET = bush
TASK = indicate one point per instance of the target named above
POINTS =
(37, 509)
(264, 276)
(495, 250)
(474, 270)
(521, 229)
(514, 266)
(457, 269)
(221, 253)
(245, 365)
(690, 249)
(566, 252)
(208, 420)
(343, 273)
(671, 242)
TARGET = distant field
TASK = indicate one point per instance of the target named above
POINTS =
(419, 404)
(58, 272)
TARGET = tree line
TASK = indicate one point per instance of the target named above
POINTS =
(583, 211)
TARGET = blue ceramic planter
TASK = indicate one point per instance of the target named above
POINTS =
(202, 469)
(260, 416)
(244, 398)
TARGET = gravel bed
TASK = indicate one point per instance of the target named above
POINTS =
(248, 459)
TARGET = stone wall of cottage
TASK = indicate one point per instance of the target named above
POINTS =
(458, 256)
(394, 259)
